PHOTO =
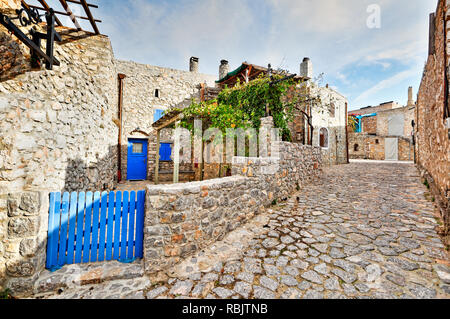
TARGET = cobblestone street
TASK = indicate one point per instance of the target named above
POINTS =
(366, 230)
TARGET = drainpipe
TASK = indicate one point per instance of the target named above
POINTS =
(119, 172)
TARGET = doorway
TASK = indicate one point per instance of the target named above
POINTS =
(137, 159)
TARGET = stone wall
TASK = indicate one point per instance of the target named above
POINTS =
(432, 135)
(140, 102)
(57, 133)
(369, 125)
(184, 218)
(383, 120)
(372, 147)
(12, 60)
(10, 4)
(375, 129)
(405, 149)
(357, 145)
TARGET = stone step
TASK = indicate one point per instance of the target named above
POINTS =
(71, 276)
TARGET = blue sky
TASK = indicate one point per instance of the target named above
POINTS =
(368, 66)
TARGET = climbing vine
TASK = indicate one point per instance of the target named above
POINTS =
(245, 104)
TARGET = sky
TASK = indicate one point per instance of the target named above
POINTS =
(369, 63)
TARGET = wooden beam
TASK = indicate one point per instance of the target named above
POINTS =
(171, 121)
(89, 14)
(47, 8)
(64, 14)
(176, 156)
(6, 22)
(158, 139)
(70, 13)
(25, 4)
(78, 2)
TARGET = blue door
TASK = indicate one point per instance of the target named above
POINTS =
(137, 159)
(165, 152)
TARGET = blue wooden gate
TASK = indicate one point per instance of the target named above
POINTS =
(90, 227)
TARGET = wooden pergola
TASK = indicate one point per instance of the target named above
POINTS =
(248, 72)
(68, 12)
(169, 120)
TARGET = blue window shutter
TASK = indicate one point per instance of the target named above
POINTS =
(158, 115)
(165, 151)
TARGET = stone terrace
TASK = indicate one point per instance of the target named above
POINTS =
(366, 230)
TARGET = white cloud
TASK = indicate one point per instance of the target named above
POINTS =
(396, 79)
(333, 33)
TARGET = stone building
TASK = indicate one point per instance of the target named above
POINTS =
(383, 132)
(63, 130)
(77, 127)
(327, 114)
(432, 117)
(147, 92)
(58, 131)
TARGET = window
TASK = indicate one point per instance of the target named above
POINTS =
(138, 148)
(157, 93)
(158, 114)
(323, 138)
(356, 148)
(377, 141)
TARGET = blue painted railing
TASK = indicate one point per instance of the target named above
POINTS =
(91, 227)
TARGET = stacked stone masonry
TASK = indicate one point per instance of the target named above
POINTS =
(432, 134)
(371, 142)
(182, 219)
(58, 133)
(141, 85)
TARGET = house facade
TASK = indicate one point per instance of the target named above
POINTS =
(327, 114)
(147, 92)
(383, 132)
(83, 126)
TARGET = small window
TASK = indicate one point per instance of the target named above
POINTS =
(138, 148)
(377, 141)
(157, 93)
(356, 148)
(323, 137)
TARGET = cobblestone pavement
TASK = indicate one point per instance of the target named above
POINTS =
(364, 231)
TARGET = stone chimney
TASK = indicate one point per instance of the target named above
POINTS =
(410, 97)
(224, 68)
(193, 64)
(306, 68)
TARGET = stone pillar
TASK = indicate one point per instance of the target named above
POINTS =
(224, 68)
(193, 65)
(23, 255)
(306, 68)
(265, 136)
